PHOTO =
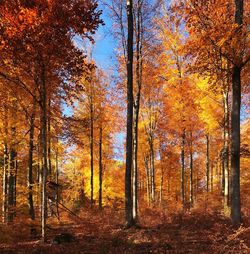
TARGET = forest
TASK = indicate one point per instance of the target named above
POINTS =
(124, 126)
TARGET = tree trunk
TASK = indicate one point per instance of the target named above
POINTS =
(100, 168)
(207, 162)
(183, 169)
(30, 163)
(44, 151)
(5, 183)
(49, 140)
(129, 139)
(235, 147)
(212, 177)
(137, 109)
(226, 148)
(161, 185)
(235, 132)
(5, 169)
(148, 179)
(91, 149)
(11, 184)
(222, 174)
(191, 200)
(57, 179)
(152, 168)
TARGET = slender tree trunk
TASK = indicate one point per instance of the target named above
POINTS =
(212, 177)
(222, 174)
(100, 168)
(11, 195)
(57, 180)
(235, 132)
(44, 151)
(5, 169)
(183, 168)
(191, 199)
(91, 149)
(15, 184)
(161, 186)
(49, 140)
(226, 149)
(129, 139)
(30, 163)
(148, 179)
(152, 167)
(5, 183)
(207, 162)
(137, 109)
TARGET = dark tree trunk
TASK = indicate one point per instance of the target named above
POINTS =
(30, 163)
(5, 169)
(183, 168)
(207, 162)
(91, 149)
(235, 147)
(44, 150)
(5, 183)
(129, 139)
(100, 168)
(191, 200)
(152, 168)
(15, 183)
(11, 184)
(235, 132)
(57, 179)
(49, 140)
(137, 108)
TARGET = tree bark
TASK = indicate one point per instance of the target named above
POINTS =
(57, 179)
(129, 139)
(30, 163)
(152, 168)
(235, 131)
(191, 200)
(100, 168)
(5, 183)
(49, 140)
(44, 150)
(226, 148)
(235, 147)
(148, 179)
(5, 169)
(161, 185)
(91, 148)
(137, 108)
(207, 162)
(183, 168)
(11, 183)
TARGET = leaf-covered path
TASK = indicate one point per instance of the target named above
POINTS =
(182, 234)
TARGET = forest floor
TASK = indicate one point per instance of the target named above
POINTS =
(103, 232)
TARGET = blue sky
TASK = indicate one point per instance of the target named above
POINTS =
(103, 53)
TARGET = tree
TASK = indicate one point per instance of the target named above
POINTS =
(129, 138)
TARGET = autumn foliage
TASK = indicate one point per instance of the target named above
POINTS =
(160, 143)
